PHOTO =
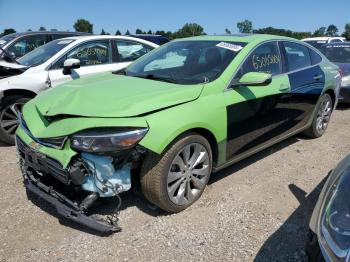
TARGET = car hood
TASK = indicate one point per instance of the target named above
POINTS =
(110, 95)
(10, 69)
(345, 68)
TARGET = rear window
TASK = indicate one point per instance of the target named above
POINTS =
(317, 44)
(337, 53)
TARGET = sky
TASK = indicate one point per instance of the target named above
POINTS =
(213, 15)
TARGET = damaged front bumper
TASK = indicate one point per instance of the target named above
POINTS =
(88, 176)
(66, 208)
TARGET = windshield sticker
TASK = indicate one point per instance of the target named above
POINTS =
(64, 42)
(229, 46)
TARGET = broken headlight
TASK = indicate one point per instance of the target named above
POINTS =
(106, 140)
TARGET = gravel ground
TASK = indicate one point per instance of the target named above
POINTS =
(257, 210)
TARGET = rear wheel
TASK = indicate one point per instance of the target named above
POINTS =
(321, 118)
(177, 178)
(8, 118)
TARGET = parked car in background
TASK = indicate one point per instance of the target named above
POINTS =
(57, 62)
(329, 238)
(16, 45)
(157, 39)
(319, 41)
(339, 54)
(191, 107)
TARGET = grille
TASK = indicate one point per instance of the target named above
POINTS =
(57, 142)
(41, 163)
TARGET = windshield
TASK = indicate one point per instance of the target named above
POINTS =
(317, 44)
(337, 53)
(186, 62)
(6, 38)
(43, 53)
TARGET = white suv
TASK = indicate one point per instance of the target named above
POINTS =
(57, 62)
(317, 42)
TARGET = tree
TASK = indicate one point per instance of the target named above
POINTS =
(54, 30)
(82, 25)
(332, 30)
(346, 33)
(227, 31)
(8, 31)
(29, 30)
(138, 31)
(245, 27)
(320, 32)
(283, 32)
(103, 32)
(149, 32)
(41, 28)
(189, 29)
(127, 32)
(118, 32)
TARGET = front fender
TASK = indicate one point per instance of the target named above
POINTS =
(165, 126)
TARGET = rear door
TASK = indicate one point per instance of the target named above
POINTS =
(256, 115)
(306, 79)
(95, 57)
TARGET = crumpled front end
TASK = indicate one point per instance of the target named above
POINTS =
(73, 181)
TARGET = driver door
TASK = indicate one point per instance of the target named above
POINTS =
(95, 57)
(256, 115)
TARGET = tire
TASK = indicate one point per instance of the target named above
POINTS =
(313, 250)
(174, 186)
(8, 119)
(322, 117)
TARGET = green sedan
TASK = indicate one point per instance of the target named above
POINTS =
(171, 119)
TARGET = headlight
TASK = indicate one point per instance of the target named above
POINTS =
(335, 217)
(106, 140)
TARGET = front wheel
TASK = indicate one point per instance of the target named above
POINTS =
(8, 118)
(322, 117)
(176, 179)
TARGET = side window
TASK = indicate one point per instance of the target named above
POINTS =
(297, 55)
(26, 44)
(315, 58)
(265, 58)
(130, 50)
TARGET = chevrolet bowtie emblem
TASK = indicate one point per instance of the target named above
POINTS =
(35, 145)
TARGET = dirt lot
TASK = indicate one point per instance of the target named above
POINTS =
(257, 210)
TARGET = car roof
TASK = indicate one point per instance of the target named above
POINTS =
(246, 38)
(92, 37)
(47, 32)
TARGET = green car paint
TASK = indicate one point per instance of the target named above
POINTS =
(109, 100)
(168, 109)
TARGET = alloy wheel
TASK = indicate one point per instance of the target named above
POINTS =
(324, 115)
(9, 120)
(188, 174)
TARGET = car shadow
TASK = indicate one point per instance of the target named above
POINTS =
(135, 198)
(288, 242)
(343, 107)
(252, 159)
(2, 144)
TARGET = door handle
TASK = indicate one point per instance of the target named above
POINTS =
(284, 88)
(318, 77)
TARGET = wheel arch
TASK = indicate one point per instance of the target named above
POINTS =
(22, 92)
